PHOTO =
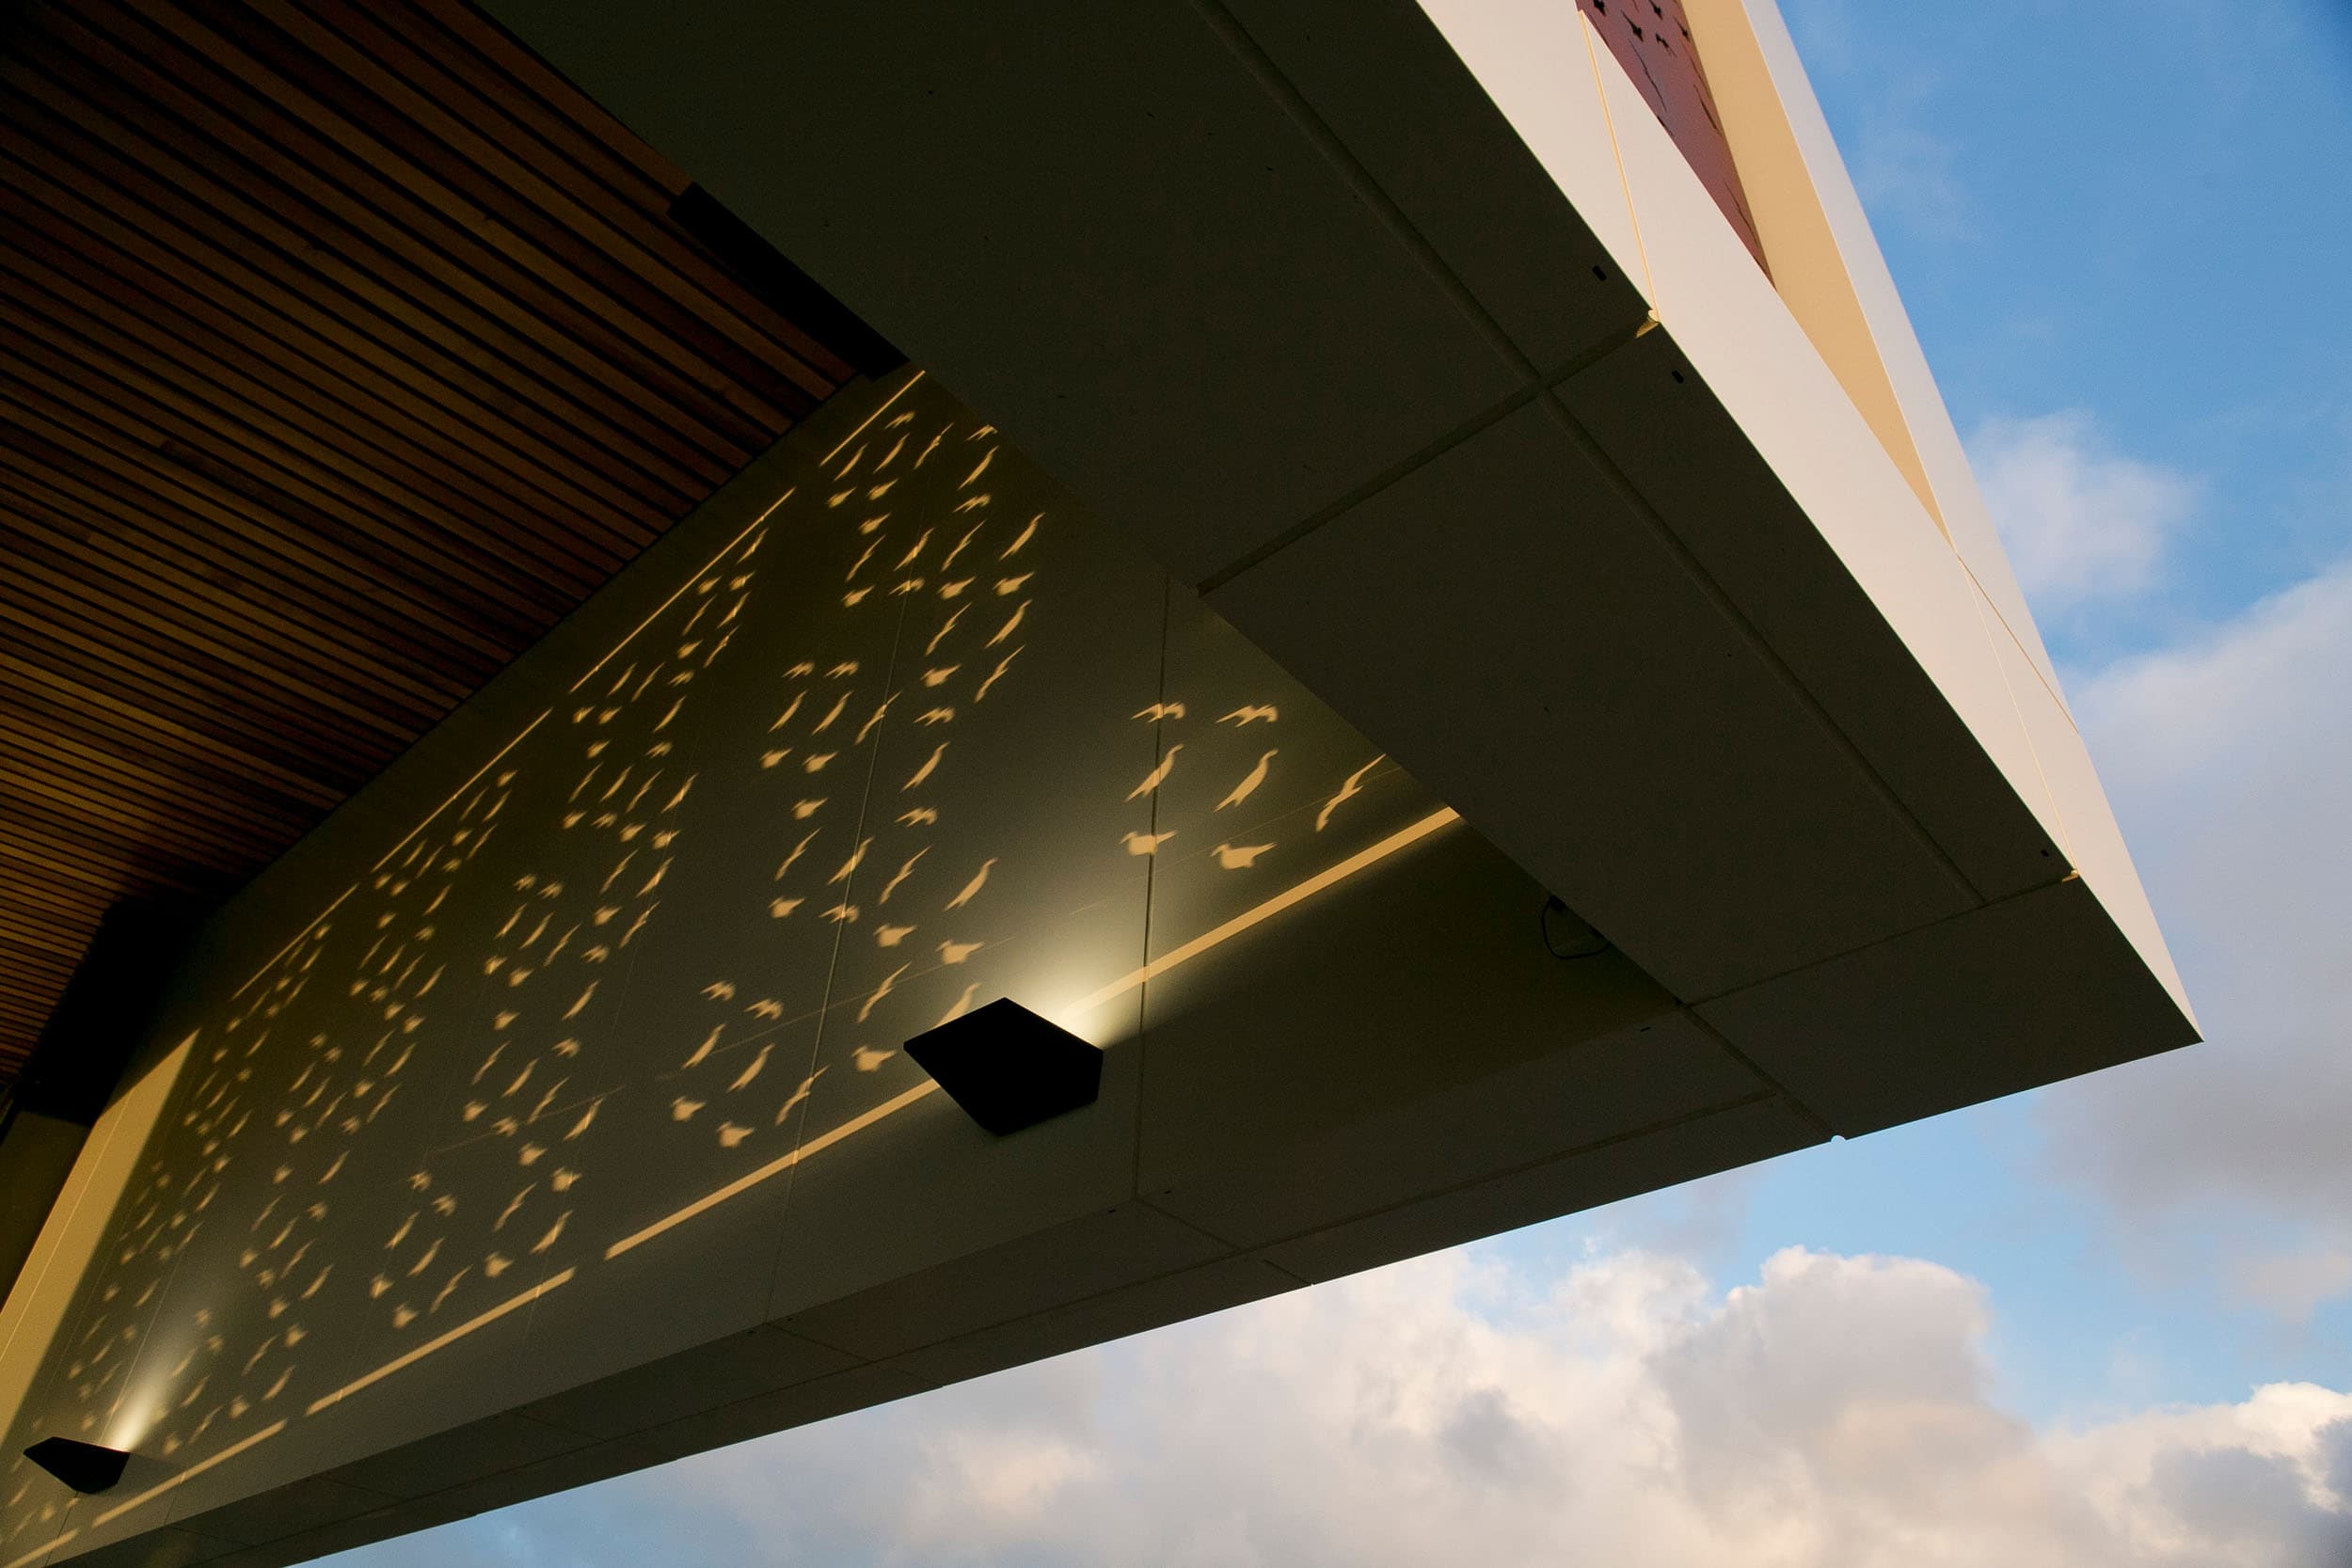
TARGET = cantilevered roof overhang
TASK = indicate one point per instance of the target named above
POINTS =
(1408, 337)
(1405, 334)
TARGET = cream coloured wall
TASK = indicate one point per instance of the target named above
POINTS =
(1829, 269)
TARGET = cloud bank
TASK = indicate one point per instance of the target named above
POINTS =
(2229, 761)
(1837, 1412)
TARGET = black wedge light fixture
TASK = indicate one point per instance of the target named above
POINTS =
(84, 1466)
(1007, 1067)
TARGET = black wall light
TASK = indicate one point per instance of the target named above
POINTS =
(1007, 1067)
(84, 1466)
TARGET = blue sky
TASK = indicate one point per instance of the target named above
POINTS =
(2122, 1309)
(2134, 209)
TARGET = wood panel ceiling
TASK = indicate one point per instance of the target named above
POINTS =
(344, 348)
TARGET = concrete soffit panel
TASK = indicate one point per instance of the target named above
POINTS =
(2008, 798)
(1754, 356)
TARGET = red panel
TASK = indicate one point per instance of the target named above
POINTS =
(1651, 39)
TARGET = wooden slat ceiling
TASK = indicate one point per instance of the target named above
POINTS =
(344, 348)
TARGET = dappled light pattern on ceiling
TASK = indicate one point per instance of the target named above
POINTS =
(917, 737)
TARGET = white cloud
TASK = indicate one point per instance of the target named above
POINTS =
(1835, 1413)
(1910, 175)
(2227, 760)
(2294, 1284)
(2080, 522)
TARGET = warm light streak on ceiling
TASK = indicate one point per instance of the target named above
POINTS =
(189, 1473)
(482, 1319)
(1125, 982)
(1444, 817)
(28, 1559)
